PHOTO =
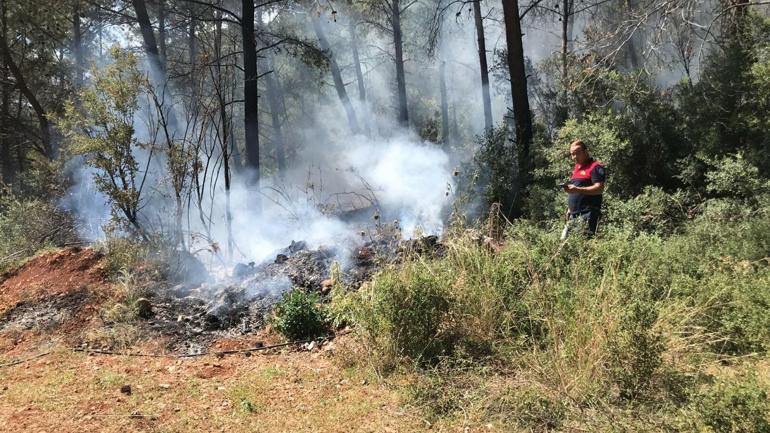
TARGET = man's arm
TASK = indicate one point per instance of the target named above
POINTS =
(596, 189)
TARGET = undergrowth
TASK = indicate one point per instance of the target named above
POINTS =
(628, 324)
(29, 226)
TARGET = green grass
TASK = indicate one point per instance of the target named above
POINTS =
(625, 324)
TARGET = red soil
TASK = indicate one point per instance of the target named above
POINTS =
(54, 274)
(73, 281)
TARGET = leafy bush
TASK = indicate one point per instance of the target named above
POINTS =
(406, 308)
(653, 211)
(299, 316)
(495, 166)
(123, 254)
(27, 226)
(733, 176)
(732, 406)
(601, 134)
(635, 351)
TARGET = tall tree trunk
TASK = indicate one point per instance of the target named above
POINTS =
(454, 132)
(235, 151)
(192, 49)
(632, 56)
(521, 111)
(357, 61)
(157, 60)
(40, 113)
(483, 68)
(100, 34)
(149, 42)
(77, 49)
(273, 97)
(403, 113)
(342, 93)
(444, 105)
(250, 89)
(566, 16)
(162, 31)
(7, 173)
(227, 134)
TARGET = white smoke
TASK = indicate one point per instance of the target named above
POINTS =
(387, 172)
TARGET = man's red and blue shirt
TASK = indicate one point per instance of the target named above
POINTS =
(586, 175)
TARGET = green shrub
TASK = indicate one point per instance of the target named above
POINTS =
(653, 211)
(126, 307)
(737, 308)
(123, 254)
(406, 308)
(600, 132)
(27, 226)
(495, 168)
(635, 351)
(733, 176)
(732, 406)
(299, 316)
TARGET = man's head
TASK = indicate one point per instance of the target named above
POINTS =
(579, 152)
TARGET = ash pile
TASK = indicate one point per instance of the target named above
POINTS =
(196, 311)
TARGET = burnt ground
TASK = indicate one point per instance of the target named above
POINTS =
(192, 317)
(64, 295)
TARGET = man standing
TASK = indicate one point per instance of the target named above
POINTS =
(584, 188)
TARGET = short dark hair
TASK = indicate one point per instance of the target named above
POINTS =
(579, 143)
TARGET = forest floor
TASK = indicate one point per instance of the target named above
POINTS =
(51, 381)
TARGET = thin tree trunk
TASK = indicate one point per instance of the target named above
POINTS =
(483, 68)
(357, 61)
(631, 46)
(521, 111)
(7, 174)
(162, 31)
(77, 49)
(403, 113)
(100, 34)
(226, 134)
(192, 48)
(454, 132)
(566, 15)
(250, 89)
(273, 97)
(21, 84)
(735, 17)
(444, 105)
(235, 151)
(342, 93)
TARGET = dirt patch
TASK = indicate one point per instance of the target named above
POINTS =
(55, 294)
(57, 273)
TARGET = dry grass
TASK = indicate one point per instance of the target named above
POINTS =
(288, 391)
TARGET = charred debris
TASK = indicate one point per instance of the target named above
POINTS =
(192, 308)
